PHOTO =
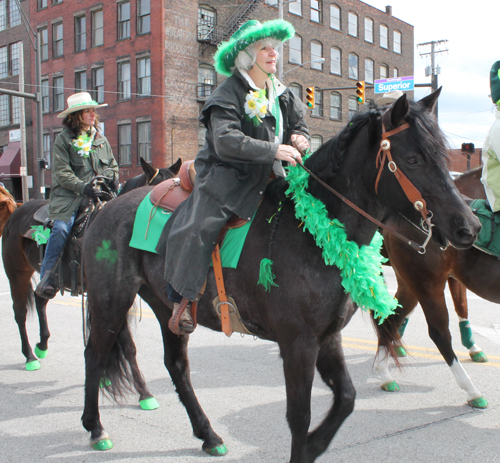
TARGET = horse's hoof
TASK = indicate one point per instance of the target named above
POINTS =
(480, 402)
(103, 444)
(400, 351)
(149, 404)
(217, 451)
(390, 387)
(479, 357)
(41, 354)
(33, 365)
(105, 382)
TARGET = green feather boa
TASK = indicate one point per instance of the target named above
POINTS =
(360, 268)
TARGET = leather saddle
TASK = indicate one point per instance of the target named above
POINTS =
(170, 193)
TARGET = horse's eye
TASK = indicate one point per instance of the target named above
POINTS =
(412, 160)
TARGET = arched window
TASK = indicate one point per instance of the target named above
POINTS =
(396, 42)
(395, 72)
(384, 71)
(207, 18)
(384, 34)
(353, 106)
(316, 11)
(336, 61)
(295, 7)
(316, 54)
(317, 111)
(369, 71)
(295, 50)
(316, 142)
(207, 80)
(335, 18)
(336, 106)
(369, 30)
(353, 24)
(296, 89)
(353, 66)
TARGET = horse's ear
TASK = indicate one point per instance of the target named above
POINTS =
(174, 168)
(399, 111)
(148, 169)
(430, 101)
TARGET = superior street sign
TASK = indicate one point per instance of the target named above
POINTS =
(404, 84)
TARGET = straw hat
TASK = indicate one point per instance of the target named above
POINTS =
(250, 32)
(80, 101)
(389, 97)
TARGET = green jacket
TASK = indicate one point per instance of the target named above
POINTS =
(71, 172)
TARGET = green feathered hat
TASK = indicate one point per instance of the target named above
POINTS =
(250, 32)
(495, 83)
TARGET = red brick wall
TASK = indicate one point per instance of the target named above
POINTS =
(462, 162)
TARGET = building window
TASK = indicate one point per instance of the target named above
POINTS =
(44, 43)
(41, 4)
(124, 92)
(80, 81)
(317, 111)
(46, 147)
(336, 106)
(14, 58)
(295, 7)
(395, 72)
(353, 106)
(144, 140)
(369, 30)
(144, 76)
(57, 40)
(206, 22)
(16, 109)
(4, 62)
(296, 89)
(9, 60)
(316, 54)
(45, 96)
(97, 28)
(384, 33)
(335, 61)
(353, 66)
(335, 17)
(295, 50)
(98, 84)
(9, 14)
(353, 24)
(207, 79)
(4, 110)
(80, 33)
(125, 144)
(316, 142)
(396, 43)
(143, 17)
(384, 71)
(123, 20)
(369, 71)
(316, 11)
(58, 84)
(56, 2)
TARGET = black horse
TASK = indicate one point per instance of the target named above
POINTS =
(306, 312)
(21, 258)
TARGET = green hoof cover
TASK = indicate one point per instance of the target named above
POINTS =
(480, 402)
(104, 444)
(149, 404)
(105, 382)
(400, 351)
(41, 354)
(33, 365)
(479, 357)
(390, 387)
(218, 451)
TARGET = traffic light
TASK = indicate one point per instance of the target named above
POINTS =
(468, 148)
(360, 91)
(310, 97)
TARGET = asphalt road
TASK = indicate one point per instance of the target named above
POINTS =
(240, 385)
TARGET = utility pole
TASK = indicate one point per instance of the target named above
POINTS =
(24, 170)
(433, 70)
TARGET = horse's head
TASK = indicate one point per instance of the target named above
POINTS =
(7, 207)
(419, 153)
(155, 176)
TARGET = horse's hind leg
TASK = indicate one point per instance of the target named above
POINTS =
(333, 370)
(41, 308)
(459, 295)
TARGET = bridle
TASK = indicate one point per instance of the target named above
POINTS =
(412, 193)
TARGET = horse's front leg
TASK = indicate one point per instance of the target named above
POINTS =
(299, 359)
(333, 370)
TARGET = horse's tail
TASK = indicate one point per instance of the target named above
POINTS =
(388, 338)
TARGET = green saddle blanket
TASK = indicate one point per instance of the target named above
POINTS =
(150, 221)
(489, 236)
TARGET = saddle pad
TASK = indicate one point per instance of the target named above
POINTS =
(146, 233)
(489, 236)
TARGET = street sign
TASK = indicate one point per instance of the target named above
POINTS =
(404, 84)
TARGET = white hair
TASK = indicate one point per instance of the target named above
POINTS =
(246, 58)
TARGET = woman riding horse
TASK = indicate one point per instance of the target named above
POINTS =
(251, 120)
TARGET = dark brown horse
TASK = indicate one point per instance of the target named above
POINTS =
(306, 312)
(422, 279)
(21, 258)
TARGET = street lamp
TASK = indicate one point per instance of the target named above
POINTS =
(317, 60)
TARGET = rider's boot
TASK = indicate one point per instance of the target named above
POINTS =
(49, 284)
(182, 321)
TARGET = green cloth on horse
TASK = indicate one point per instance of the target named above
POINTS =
(146, 233)
(489, 236)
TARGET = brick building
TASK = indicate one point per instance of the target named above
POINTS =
(152, 63)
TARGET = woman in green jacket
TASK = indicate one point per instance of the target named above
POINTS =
(80, 153)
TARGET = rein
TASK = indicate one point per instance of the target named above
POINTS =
(410, 190)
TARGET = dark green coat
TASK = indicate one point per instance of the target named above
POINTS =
(71, 172)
